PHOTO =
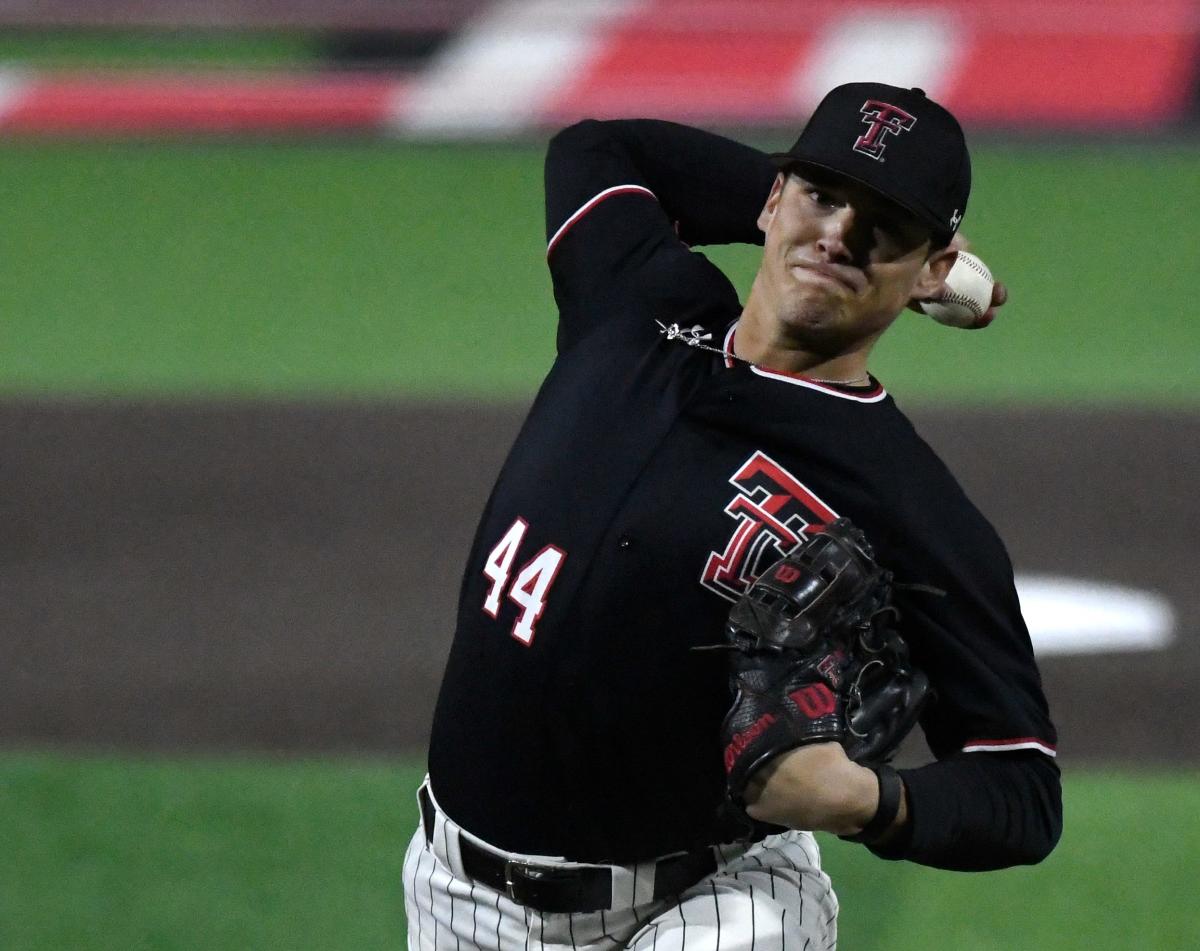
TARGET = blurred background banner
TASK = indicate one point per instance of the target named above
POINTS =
(464, 68)
(273, 303)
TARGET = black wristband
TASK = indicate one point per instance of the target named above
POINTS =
(891, 788)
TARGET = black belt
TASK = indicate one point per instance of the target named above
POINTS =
(562, 889)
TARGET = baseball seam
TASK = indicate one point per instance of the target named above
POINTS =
(963, 301)
(975, 265)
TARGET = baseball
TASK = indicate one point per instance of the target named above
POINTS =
(968, 295)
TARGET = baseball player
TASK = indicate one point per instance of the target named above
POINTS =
(680, 444)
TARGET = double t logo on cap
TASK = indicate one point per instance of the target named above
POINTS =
(884, 120)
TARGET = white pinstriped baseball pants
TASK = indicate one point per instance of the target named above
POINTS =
(764, 896)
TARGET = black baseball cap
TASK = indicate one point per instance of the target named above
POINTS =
(898, 142)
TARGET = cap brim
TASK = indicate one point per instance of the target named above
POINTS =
(785, 160)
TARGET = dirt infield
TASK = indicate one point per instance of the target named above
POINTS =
(282, 577)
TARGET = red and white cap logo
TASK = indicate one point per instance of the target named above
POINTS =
(884, 119)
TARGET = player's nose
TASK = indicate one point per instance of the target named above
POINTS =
(834, 240)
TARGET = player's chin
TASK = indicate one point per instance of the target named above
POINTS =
(810, 321)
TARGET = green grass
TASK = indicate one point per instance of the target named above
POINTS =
(264, 270)
(108, 853)
(136, 854)
(369, 269)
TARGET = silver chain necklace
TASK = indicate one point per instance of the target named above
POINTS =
(697, 335)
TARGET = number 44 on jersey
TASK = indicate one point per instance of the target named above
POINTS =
(531, 585)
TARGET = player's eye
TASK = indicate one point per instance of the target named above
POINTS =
(900, 231)
(886, 235)
(901, 235)
(821, 197)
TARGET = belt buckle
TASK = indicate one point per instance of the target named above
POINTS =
(527, 873)
(509, 864)
(555, 890)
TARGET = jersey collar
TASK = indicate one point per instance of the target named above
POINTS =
(859, 394)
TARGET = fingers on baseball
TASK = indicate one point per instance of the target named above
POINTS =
(999, 299)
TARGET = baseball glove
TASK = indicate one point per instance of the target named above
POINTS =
(815, 657)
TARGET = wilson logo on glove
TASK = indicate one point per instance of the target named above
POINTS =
(787, 573)
(814, 700)
(740, 741)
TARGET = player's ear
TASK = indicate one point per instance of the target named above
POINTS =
(932, 279)
(767, 214)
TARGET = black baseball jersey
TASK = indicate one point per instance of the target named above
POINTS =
(654, 477)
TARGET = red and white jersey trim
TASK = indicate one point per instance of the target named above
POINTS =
(866, 396)
(592, 203)
(1003, 746)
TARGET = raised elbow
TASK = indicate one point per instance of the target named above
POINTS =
(581, 135)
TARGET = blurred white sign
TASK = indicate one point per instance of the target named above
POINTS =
(1076, 616)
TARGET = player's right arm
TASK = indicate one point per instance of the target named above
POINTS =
(624, 200)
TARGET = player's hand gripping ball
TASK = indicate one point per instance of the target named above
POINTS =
(815, 658)
(967, 300)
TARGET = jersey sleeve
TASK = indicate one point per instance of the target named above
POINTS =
(625, 200)
(972, 640)
(993, 798)
(971, 813)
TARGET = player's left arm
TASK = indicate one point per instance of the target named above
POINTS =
(993, 799)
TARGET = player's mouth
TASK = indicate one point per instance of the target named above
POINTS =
(838, 275)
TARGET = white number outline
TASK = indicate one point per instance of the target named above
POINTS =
(502, 566)
(530, 587)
